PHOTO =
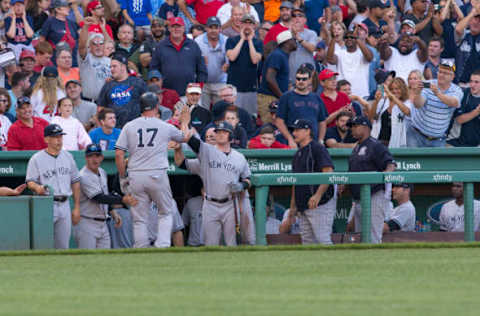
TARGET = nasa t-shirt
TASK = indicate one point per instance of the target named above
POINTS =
(123, 97)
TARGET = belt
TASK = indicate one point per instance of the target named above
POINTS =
(225, 200)
(427, 137)
(98, 219)
(60, 198)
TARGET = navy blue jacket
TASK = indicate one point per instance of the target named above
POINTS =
(179, 68)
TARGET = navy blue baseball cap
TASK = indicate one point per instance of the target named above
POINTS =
(273, 106)
(302, 124)
(154, 74)
(359, 120)
(53, 130)
(403, 185)
(93, 149)
(50, 72)
(213, 20)
(321, 45)
(224, 126)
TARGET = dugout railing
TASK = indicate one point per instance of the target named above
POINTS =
(263, 182)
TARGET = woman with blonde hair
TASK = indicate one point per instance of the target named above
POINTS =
(400, 107)
(47, 91)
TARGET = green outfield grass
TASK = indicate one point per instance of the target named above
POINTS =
(402, 281)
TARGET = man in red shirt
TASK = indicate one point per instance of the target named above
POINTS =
(27, 132)
(203, 9)
(285, 17)
(335, 101)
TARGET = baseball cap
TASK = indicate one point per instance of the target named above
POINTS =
(194, 88)
(363, 26)
(16, 1)
(224, 126)
(447, 63)
(248, 17)
(273, 106)
(287, 5)
(382, 75)
(59, 3)
(297, 9)
(403, 185)
(308, 66)
(375, 32)
(213, 20)
(93, 149)
(154, 74)
(302, 124)
(375, 4)
(92, 5)
(321, 45)
(158, 20)
(326, 74)
(120, 57)
(53, 130)
(73, 81)
(23, 100)
(176, 21)
(409, 23)
(284, 36)
(50, 72)
(27, 54)
(359, 120)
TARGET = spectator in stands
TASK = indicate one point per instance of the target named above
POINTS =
(435, 50)
(83, 110)
(359, 105)
(138, 14)
(212, 45)
(450, 16)
(5, 121)
(64, 66)
(94, 65)
(300, 103)
(232, 28)
(75, 138)
(282, 25)
(275, 74)
(203, 9)
(169, 97)
(335, 101)
(433, 109)
(378, 112)
(406, 58)
(27, 64)
(200, 116)
(4, 12)
(168, 9)
(46, 93)
(340, 135)
(263, 30)
(225, 11)
(451, 216)
(375, 15)
(266, 140)
(109, 48)
(106, 135)
(38, 11)
(468, 115)
(399, 110)
(403, 216)
(427, 21)
(122, 94)
(239, 136)
(43, 56)
(362, 13)
(58, 28)
(20, 84)
(27, 131)
(273, 108)
(6, 104)
(126, 41)
(195, 31)
(18, 28)
(244, 53)
(179, 59)
(96, 10)
(306, 39)
(468, 45)
(163, 112)
(353, 62)
(320, 56)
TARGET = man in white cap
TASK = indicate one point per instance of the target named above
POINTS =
(200, 116)
(275, 74)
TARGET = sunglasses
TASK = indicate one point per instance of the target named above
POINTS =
(302, 78)
(99, 7)
(98, 43)
(350, 37)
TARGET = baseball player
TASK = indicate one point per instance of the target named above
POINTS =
(403, 216)
(169, 228)
(225, 173)
(145, 139)
(316, 204)
(92, 231)
(452, 214)
(56, 168)
(370, 155)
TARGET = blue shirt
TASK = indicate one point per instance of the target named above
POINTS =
(293, 106)
(165, 8)
(106, 142)
(137, 10)
(215, 56)
(20, 35)
(277, 60)
(314, 10)
(470, 131)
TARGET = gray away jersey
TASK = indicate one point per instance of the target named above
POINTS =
(58, 172)
(404, 216)
(91, 185)
(146, 140)
(217, 170)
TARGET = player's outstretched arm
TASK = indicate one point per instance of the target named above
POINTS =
(6, 191)
(37, 188)
(120, 162)
(76, 203)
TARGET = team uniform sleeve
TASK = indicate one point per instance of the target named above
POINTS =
(382, 157)
(74, 174)
(443, 218)
(89, 185)
(175, 134)
(193, 166)
(322, 157)
(122, 141)
(245, 173)
(401, 215)
(33, 174)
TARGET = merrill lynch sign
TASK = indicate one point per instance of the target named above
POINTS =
(259, 166)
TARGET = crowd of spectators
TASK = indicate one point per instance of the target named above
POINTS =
(411, 66)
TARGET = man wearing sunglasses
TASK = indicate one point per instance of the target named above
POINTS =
(353, 62)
